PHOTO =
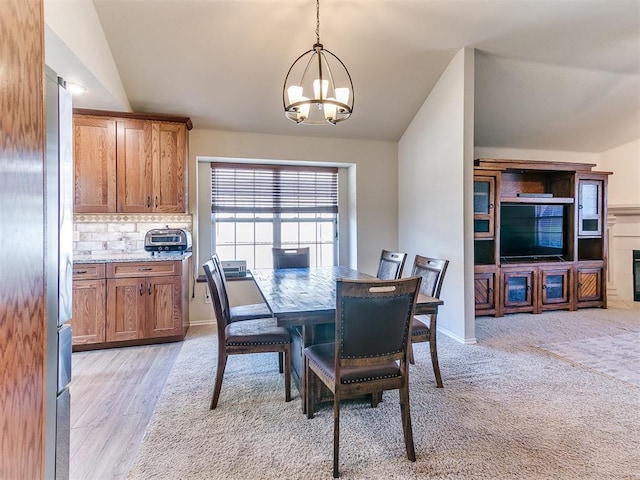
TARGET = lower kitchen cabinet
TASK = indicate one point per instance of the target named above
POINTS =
(89, 303)
(134, 302)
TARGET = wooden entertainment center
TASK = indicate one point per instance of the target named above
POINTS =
(540, 238)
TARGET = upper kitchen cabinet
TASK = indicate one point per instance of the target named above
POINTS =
(130, 162)
(94, 164)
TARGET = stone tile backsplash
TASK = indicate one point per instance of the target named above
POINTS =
(119, 233)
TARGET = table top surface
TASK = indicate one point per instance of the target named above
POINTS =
(296, 293)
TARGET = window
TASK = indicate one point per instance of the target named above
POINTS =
(257, 207)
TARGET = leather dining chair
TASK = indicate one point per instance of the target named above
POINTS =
(290, 257)
(247, 336)
(370, 352)
(391, 265)
(240, 312)
(423, 328)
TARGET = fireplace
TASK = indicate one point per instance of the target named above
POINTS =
(636, 275)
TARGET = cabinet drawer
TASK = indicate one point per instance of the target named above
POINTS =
(143, 269)
(88, 271)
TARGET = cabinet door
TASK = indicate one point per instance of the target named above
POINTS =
(554, 283)
(518, 290)
(164, 313)
(88, 316)
(590, 207)
(169, 167)
(94, 168)
(590, 287)
(134, 166)
(484, 291)
(126, 304)
(483, 206)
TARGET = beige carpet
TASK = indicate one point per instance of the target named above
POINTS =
(511, 408)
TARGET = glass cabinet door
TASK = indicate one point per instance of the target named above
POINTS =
(483, 206)
(590, 207)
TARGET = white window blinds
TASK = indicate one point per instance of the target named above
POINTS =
(244, 188)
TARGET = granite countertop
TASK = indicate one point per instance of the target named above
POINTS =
(141, 256)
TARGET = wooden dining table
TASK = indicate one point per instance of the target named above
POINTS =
(304, 301)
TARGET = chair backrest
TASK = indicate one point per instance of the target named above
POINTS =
(220, 305)
(432, 271)
(290, 257)
(373, 320)
(391, 265)
(224, 293)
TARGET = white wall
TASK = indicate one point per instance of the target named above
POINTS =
(624, 162)
(623, 222)
(372, 183)
(435, 164)
(75, 42)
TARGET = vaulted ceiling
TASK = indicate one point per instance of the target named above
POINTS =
(550, 74)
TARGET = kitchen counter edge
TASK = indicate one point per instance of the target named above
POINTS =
(132, 257)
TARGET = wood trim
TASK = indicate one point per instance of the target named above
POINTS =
(160, 117)
(506, 164)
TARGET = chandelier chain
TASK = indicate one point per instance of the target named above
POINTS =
(317, 21)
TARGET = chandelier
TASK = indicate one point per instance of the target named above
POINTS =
(317, 89)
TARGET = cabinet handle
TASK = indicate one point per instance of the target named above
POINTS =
(490, 206)
(79, 272)
(141, 289)
(149, 288)
(490, 290)
(148, 202)
(579, 207)
(544, 287)
(156, 203)
(145, 269)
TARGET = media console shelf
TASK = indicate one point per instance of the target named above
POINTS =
(539, 236)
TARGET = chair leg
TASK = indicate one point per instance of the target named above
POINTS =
(376, 398)
(280, 362)
(287, 372)
(336, 433)
(411, 359)
(406, 422)
(309, 381)
(434, 358)
(222, 363)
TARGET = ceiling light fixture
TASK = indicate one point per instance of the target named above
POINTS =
(310, 93)
(75, 88)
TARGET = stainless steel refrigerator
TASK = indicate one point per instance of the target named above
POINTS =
(58, 273)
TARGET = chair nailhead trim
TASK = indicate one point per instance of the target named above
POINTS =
(257, 343)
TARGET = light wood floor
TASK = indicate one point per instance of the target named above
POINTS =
(113, 395)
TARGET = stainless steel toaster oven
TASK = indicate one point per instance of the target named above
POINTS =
(167, 240)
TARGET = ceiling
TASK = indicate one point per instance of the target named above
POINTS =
(551, 75)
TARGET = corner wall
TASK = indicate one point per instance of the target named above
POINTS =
(435, 183)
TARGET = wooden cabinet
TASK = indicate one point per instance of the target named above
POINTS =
(518, 289)
(130, 163)
(590, 206)
(146, 305)
(556, 285)
(545, 238)
(484, 206)
(590, 282)
(94, 164)
(130, 302)
(485, 290)
(88, 311)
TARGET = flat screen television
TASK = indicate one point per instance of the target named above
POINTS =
(532, 230)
